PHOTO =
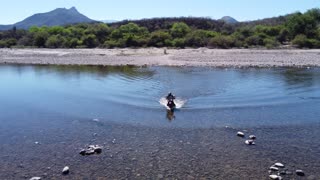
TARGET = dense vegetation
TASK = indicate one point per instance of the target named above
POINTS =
(299, 30)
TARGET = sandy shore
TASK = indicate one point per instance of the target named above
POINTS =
(156, 56)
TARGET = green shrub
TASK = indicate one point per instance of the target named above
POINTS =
(221, 41)
(270, 43)
(301, 41)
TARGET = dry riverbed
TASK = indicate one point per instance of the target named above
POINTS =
(164, 57)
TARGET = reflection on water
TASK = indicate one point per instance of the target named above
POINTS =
(126, 94)
(170, 115)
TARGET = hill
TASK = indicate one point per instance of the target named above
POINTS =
(59, 16)
(229, 20)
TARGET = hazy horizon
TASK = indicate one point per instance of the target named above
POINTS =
(120, 10)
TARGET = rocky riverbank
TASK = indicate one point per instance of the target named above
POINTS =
(164, 57)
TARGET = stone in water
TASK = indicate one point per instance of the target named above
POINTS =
(273, 176)
(280, 165)
(65, 170)
(241, 134)
(250, 142)
(299, 172)
(252, 137)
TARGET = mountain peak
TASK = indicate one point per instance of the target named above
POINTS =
(56, 17)
(74, 9)
(229, 20)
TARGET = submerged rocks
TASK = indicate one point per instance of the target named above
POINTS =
(250, 142)
(65, 170)
(92, 149)
(277, 169)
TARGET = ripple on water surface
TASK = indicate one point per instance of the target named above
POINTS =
(206, 97)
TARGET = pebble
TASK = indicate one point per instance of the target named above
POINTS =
(280, 165)
(91, 150)
(252, 137)
(114, 141)
(35, 178)
(82, 152)
(95, 120)
(283, 172)
(273, 176)
(37, 142)
(274, 168)
(160, 176)
(250, 142)
(300, 172)
(240, 134)
(65, 170)
(98, 149)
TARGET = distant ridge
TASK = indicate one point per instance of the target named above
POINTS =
(59, 16)
(229, 20)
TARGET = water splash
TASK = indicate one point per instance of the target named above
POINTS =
(178, 101)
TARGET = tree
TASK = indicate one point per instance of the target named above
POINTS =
(55, 30)
(199, 38)
(179, 30)
(301, 24)
(40, 38)
(270, 43)
(221, 41)
(100, 30)
(90, 41)
(159, 38)
(179, 42)
(301, 41)
(56, 41)
(130, 34)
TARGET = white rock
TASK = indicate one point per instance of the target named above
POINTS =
(273, 176)
(96, 120)
(241, 134)
(65, 170)
(250, 142)
(35, 178)
(252, 137)
(274, 168)
(300, 172)
(98, 149)
(91, 147)
(280, 165)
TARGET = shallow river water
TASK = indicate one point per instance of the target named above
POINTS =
(48, 113)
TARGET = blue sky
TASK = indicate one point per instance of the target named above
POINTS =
(13, 11)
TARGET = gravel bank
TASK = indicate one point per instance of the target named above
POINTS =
(156, 56)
